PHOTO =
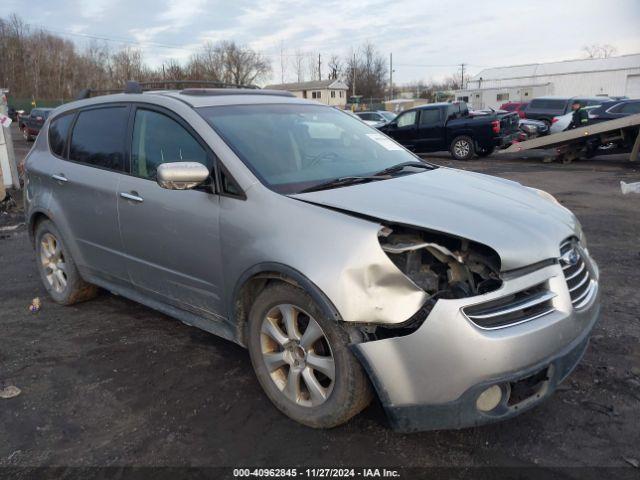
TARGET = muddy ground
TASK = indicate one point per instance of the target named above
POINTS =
(110, 382)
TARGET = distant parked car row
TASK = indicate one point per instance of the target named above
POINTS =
(31, 124)
(608, 110)
(377, 118)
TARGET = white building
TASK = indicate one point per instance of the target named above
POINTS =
(614, 76)
(331, 92)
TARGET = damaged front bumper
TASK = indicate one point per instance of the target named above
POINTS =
(432, 378)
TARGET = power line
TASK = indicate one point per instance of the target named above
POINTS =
(111, 39)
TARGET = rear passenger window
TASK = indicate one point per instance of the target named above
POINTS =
(158, 139)
(58, 133)
(430, 117)
(98, 137)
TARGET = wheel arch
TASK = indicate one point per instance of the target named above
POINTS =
(256, 278)
(35, 218)
(459, 133)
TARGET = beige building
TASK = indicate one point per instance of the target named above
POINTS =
(331, 92)
(401, 104)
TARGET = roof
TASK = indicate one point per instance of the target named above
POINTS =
(230, 97)
(622, 62)
(312, 85)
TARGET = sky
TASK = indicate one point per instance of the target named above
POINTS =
(428, 39)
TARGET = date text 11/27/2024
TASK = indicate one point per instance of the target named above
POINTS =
(316, 473)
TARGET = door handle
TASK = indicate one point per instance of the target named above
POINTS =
(60, 178)
(132, 196)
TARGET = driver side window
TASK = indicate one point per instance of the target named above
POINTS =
(407, 119)
(158, 139)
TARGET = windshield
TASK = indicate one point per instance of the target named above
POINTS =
(388, 115)
(292, 147)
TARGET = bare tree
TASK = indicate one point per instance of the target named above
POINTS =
(368, 69)
(335, 67)
(242, 65)
(38, 64)
(313, 69)
(599, 50)
(298, 65)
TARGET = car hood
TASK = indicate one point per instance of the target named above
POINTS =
(520, 224)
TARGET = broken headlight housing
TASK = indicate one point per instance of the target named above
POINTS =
(442, 265)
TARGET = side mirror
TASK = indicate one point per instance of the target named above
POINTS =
(181, 175)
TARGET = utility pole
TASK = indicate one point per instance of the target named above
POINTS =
(319, 68)
(462, 76)
(353, 84)
(391, 76)
(281, 61)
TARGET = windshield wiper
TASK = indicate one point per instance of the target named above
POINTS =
(343, 181)
(402, 166)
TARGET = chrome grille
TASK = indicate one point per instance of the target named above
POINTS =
(576, 272)
(522, 306)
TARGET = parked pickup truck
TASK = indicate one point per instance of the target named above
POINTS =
(448, 126)
(31, 124)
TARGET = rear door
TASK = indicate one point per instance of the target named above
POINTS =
(171, 237)
(86, 184)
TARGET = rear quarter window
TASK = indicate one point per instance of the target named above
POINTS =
(58, 133)
(630, 108)
(98, 137)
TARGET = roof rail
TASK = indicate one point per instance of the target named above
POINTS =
(166, 84)
(90, 92)
(133, 86)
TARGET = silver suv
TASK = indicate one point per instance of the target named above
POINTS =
(346, 265)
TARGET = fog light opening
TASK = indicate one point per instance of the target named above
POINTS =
(489, 398)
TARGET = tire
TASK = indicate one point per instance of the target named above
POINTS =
(348, 393)
(462, 148)
(485, 152)
(57, 269)
(26, 135)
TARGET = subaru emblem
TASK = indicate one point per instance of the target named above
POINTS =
(571, 257)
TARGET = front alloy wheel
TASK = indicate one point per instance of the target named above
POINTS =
(302, 358)
(297, 355)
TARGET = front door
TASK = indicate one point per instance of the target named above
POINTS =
(404, 129)
(171, 237)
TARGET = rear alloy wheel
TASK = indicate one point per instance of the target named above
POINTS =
(57, 269)
(53, 264)
(302, 359)
(462, 148)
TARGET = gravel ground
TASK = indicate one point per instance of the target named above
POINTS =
(112, 383)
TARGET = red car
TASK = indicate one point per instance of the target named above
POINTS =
(515, 107)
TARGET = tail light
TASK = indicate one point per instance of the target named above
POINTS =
(554, 119)
(495, 126)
